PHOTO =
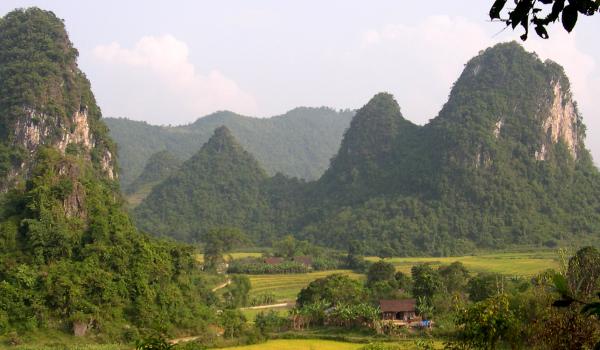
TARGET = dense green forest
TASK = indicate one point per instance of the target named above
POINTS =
(504, 163)
(158, 168)
(219, 186)
(298, 143)
(70, 257)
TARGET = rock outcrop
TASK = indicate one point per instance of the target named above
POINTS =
(560, 123)
(34, 129)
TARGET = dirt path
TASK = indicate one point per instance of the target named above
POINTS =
(183, 340)
(270, 306)
(259, 307)
(220, 286)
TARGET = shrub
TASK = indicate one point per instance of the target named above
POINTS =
(233, 323)
(271, 321)
(262, 299)
(157, 342)
(333, 289)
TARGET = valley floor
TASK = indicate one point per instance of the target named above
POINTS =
(285, 288)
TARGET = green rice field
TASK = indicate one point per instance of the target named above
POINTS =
(287, 287)
(520, 263)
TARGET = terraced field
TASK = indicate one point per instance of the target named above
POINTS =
(251, 313)
(520, 263)
(287, 287)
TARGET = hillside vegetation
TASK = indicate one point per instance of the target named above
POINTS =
(503, 164)
(159, 167)
(298, 143)
(71, 261)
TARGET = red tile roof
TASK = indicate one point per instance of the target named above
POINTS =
(402, 305)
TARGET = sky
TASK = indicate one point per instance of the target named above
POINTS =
(171, 62)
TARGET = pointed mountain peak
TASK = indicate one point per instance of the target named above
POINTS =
(219, 171)
(368, 148)
(374, 128)
(382, 99)
(223, 148)
(509, 64)
(382, 110)
(222, 140)
(522, 95)
(223, 131)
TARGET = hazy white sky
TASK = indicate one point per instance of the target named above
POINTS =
(170, 62)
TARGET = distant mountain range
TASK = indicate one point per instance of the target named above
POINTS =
(504, 163)
(298, 143)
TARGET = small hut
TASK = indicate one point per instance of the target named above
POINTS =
(403, 310)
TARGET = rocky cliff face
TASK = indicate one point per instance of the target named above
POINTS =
(35, 129)
(560, 123)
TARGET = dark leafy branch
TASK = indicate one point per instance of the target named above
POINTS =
(541, 13)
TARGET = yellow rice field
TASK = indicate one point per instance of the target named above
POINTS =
(519, 264)
(286, 287)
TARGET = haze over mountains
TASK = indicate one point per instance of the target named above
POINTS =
(298, 143)
(504, 163)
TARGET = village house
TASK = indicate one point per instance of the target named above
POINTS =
(400, 311)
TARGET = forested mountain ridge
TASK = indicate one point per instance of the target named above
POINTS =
(504, 163)
(221, 185)
(368, 146)
(298, 143)
(70, 257)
